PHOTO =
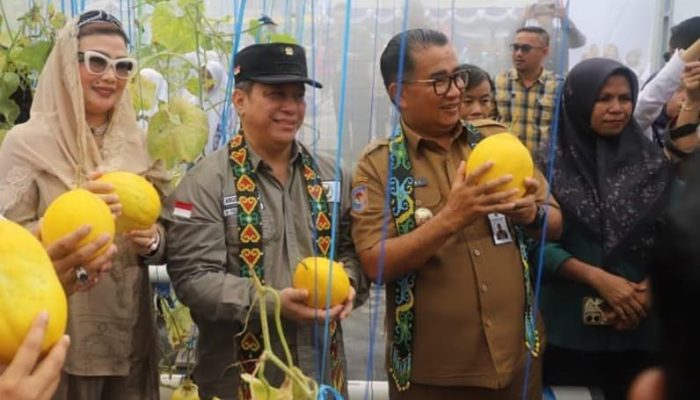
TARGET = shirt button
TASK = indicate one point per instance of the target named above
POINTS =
(477, 252)
(488, 323)
(484, 288)
(418, 202)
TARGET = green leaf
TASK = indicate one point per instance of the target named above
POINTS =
(58, 20)
(10, 82)
(9, 110)
(5, 39)
(171, 29)
(33, 56)
(260, 390)
(177, 133)
(254, 29)
(281, 38)
(3, 59)
(142, 92)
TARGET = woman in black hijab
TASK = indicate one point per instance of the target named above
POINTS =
(612, 184)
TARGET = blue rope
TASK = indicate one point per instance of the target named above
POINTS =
(225, 133)
(301, 10)
(369, 374)
(326, 392)
(551, 154)
(374, 69)
(387, 200)
(338, 176)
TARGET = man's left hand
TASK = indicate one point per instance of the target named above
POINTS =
(525, 210)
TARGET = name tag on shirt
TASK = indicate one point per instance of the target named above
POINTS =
(499, 229)
(332, 191)
(230, 205)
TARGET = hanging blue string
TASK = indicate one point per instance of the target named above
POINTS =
(301, 10)
(374, 69)
(338, 176)
(452, 17)
(238, 24)
(326, 392)
(82, 6)
(379, 282)
(130, 31)
(551, 154)
(287, 17)
(314, 149)
(63, 7)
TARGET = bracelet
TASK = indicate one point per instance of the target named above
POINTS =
(682, 131)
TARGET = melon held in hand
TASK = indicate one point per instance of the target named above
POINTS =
(73, 209)
(509, 156)
(139, 199)
(28, 285)
(312, 274)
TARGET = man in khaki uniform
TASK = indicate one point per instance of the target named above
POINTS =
(459, 306)
(260, 205)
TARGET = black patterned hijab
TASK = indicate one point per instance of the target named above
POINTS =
(615, 186)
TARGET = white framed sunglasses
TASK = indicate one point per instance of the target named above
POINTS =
(97, 64)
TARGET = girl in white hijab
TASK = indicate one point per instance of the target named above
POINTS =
(159, 94)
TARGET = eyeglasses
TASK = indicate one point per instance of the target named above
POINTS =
(443, 84)
(525, 48)
(93, 16)
(97, 64)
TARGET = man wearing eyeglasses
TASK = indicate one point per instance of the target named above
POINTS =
(525, 95)
(456, 293)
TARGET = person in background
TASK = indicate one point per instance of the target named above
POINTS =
(675, 284)
(214, 79)
(552, 16)
(661, 97)
(82, 122)
(613, 185)
(525, 94)
(158, 95)
(478, 94)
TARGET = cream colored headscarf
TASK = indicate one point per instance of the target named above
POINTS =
(57, 141)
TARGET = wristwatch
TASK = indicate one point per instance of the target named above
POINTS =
(538, 222)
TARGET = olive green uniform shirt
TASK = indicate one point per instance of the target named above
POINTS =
(202, 252)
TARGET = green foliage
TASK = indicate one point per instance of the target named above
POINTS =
(23, 53)
(177, 132)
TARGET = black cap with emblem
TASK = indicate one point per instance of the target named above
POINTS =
(272, 63)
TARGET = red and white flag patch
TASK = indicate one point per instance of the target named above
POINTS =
(183, 209)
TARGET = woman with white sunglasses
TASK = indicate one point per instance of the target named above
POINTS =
(82, 124)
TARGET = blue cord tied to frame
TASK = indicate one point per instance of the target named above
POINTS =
(326, 392)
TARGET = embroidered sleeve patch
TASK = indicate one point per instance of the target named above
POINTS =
(359, 197)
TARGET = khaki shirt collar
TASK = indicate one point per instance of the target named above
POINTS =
(415, 139)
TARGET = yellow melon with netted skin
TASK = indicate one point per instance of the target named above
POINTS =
(509, 156)
(28, 285)
(312, 274)
(73, 209)
(139, 199)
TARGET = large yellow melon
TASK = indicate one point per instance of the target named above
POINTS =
(73, 209)
(509, 156)
(140, 200)
(312, 274)
(28, 285)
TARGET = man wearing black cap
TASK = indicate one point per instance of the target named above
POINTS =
(258, 207)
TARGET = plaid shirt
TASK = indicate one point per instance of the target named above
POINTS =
(527, 111)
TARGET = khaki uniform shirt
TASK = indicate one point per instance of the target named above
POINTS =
(202, 252)
(469, 297)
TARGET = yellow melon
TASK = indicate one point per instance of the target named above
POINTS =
(28, 285)
(74, 209)
(312, 274)
(509, 156)
(140, 200)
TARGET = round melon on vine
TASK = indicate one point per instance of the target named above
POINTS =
(177, 133)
